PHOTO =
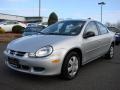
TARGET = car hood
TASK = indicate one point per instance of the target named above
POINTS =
(35, 42)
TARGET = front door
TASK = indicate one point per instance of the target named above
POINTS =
(91, 44)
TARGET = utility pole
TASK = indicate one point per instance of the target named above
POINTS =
(101, 4)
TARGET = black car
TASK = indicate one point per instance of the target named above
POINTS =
(117, 34)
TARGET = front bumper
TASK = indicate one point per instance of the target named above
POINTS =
(37, 66)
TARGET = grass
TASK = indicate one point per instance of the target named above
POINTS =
(7, 37)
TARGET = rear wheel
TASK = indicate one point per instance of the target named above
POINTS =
(110, 53)
(71, 66)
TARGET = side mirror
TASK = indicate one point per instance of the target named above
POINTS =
(88, 34)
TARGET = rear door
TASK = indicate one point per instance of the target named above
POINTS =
(105, 38)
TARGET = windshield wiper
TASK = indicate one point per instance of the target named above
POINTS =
(52, 33)
(57, 34)
(47, 33)
(41, 33)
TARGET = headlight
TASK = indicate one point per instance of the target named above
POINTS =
(45, 51)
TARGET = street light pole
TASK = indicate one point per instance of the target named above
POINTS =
(39, 7)
(101, 13)
(101, 4)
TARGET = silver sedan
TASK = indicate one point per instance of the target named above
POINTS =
(61, 48)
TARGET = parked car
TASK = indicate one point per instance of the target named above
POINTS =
(32, 30)
(36, 24)
(43, 24)
(117, 34)
(61, 48)
(8, 25)
(32, 24)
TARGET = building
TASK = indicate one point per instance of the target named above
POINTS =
(33, 19)
(11, 17)
(22, 18)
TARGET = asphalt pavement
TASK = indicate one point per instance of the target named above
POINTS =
(100, 74)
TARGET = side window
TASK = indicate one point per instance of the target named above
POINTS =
(9, 23)
(102, 28)
(91, 27)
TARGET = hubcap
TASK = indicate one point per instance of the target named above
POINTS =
(111, 52)
(73, 66)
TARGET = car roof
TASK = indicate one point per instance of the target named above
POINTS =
(87, 20)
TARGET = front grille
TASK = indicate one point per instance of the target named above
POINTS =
(38, 69)
(20, 54)
(16, 63)
(12, 52)
(25, 67)
(17, 53)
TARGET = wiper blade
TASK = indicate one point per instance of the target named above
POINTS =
(52, 33)
(57, 34)
(41, 33)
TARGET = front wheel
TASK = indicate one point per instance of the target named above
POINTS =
(71, 66)
(110, 53)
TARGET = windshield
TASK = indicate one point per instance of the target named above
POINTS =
(33, 29)
(64, 28)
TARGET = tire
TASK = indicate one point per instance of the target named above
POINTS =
(17, 29)
(110, 53)
(71, 66)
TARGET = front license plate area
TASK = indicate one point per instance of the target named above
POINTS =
(14, 62)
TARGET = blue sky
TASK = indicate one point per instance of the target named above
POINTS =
(75, 9)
